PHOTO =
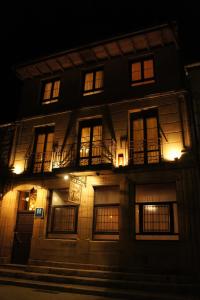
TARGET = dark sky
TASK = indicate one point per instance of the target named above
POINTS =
(34, 29)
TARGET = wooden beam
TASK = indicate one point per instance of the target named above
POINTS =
(49, 67)
(59, 64)
(120, 49)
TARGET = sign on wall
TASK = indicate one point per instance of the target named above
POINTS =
(39, 212)
(74, 192)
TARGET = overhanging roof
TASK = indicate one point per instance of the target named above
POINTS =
(98, 52)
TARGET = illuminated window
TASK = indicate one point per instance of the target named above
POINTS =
(93, 82)
(63, 214)
(106, 219)
(27, 200)
(144, 138)
(142, 72)
(90, 142)
(50, 91)
(156, 209)
(42, 150)
(106, 212)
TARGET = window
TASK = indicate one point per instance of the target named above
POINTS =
(42, 150)
(90, 142)
(93, 82)
(106, 219)
(27, 200)
(63, 215)
(142, 72)
(156, 211)
(50, 91)
(144, 137)
(106, 212)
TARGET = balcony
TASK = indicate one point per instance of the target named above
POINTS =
(97, 155)
(86, 155)
(93, 155)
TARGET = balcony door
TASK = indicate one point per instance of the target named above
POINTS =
(42, 150)
(90, 142)
(144, 137)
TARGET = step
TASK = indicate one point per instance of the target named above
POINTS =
(137, 276)
(91, 290)
(101, 282)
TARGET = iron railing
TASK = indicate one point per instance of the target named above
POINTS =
(86, 154)
(93, 154)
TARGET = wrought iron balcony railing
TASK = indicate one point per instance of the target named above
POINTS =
(95, 153)
(86, 154)
(74, 155)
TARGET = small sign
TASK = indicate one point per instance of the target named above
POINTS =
(39, 212)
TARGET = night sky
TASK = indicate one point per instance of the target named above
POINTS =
(32, 30)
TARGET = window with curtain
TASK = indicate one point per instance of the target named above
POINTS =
(142, 71)
(93, 82)
(50, 91)
(90, 142)
(106, 212)
(63, 214)
(42, 150)
(156, 210)
(144, 137)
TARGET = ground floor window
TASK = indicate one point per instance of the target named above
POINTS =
(106, 219)
(63, 215)
(64, 219)
(156, 215)
(106, 212)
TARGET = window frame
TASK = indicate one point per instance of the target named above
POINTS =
(96, 206)
(93, 90)
(171, 216)
(91, 123)
(40, 130)
(144, 115)
(51, 99)
(143, 80)
(53, 208)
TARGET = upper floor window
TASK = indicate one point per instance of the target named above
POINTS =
(42, 150)
(142, 72)
(93, 82)
(50, 91)
(144, 137)
(90, 142)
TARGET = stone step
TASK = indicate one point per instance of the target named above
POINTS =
(116, 275)
(170, 288)
(92, 290)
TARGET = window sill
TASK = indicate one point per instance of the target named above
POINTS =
(142, 82)
(92, 93)
(174, 237)
(62, 236)
(49, 102)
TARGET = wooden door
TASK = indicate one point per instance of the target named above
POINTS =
(22, 237)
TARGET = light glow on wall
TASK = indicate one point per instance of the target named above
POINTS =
(18, 168)
(173, 153)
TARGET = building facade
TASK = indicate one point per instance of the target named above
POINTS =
(103, 159)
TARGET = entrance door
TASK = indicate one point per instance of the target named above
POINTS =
(22, 237)
(24, 226)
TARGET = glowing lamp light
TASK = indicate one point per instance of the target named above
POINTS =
(174, 154)
(66, 177)
(18, 169)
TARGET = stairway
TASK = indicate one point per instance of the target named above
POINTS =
(102, 281)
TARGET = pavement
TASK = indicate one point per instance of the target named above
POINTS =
(8, 292)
